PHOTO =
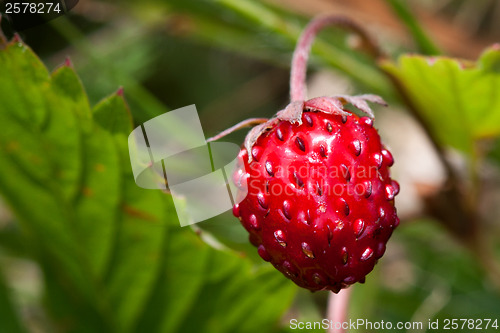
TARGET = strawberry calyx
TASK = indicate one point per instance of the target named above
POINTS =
(330, 105)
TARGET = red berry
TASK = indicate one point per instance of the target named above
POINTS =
(320, 202)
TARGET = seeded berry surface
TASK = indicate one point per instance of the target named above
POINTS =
(320, 202)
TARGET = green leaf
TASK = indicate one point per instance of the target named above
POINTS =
(176, 290)
(139, 248)
(241, 298)
(96, 206)
(113, 114)
(458, 100)
(64, 178)
(39, 170)
(65, 82)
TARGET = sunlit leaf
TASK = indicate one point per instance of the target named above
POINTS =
(459, 100)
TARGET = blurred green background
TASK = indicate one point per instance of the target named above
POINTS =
(83, 249)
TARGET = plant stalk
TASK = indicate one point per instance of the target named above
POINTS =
(303, 49)
(337, 310)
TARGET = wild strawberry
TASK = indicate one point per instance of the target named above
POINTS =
(320, 203)
(320, 200)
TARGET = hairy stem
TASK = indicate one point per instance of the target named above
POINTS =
(240, 125)
(303, 49)
(337, 309)
(266, 17)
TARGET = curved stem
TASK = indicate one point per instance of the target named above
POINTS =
(337, 309)
(303, 49)
(240, 125)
